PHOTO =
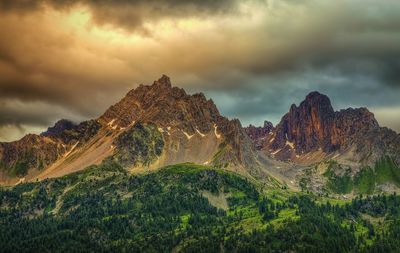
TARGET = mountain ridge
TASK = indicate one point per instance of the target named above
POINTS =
(158, 125)
(191, 127)
(314, 126)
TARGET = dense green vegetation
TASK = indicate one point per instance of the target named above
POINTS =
(387, 171)
(365, 181)
(20, 168)
(141, 144)
(187, 208)
(341, 184)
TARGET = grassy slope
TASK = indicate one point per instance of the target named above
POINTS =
(366, 180)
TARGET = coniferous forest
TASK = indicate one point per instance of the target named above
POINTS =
(188, 208)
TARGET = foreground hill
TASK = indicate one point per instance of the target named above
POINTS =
(187, 208)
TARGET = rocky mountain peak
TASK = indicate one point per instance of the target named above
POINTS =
(306, 127)
(59, 127)
(313, 126)
(164, 105)
(318, 97)
(259, 134)
(317, 103)
(268, 125)
(361, 116)
(163, 81)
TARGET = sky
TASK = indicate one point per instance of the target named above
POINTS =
(72, 59)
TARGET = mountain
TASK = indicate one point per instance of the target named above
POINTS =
(58, 128)
(159, 125)
(332, 152)
(164, 166)
(313, 130)
(152, 126)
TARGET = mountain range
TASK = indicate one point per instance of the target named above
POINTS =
(158, 125)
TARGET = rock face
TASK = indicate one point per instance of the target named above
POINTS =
(31, 152)
(259, 134)
(163, 105)
(308, 126)
(314, 126)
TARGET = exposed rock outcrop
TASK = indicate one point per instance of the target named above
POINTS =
(314, 127)
(259, 134)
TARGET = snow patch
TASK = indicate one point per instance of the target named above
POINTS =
(276, 152)
(290, 144)
(73, 147)
(111, 122)
(201, 134)
(187, 135)
(21, 180)
(215, 132)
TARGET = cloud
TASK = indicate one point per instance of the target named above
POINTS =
(388, 116)
(19, 117)
(129, 14)
(254, 58)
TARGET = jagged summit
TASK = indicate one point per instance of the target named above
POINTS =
(163, 104)
(259, 134)
(163, 81)
(317, 96)
(59, 127)
(314, 126)
(307, 126)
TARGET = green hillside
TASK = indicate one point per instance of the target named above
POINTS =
(365, 181)
(187, 208)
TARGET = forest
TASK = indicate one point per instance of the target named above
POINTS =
(188, 208)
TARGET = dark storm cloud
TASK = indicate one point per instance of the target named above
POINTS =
(254, 58)
(18, 117)
(15, 112)
(275, 94)
(129, 14)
